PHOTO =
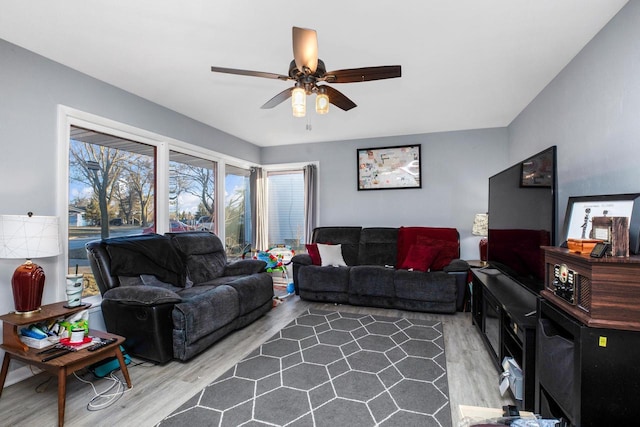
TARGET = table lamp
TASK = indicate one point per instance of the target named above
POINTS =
(28, 236)
(481, 228)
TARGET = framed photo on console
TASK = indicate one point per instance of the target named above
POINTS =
(389, 167)
(588, 217)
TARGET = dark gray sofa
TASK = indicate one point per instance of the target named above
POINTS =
(371, 277)
(173, 296)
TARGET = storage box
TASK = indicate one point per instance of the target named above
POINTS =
(35, 343)
(513, 373)
(582, 246)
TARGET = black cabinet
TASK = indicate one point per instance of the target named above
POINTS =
(589, 376)
(504, 313)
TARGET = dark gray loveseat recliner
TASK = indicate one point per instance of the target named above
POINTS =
(173, 296)
(371, 277)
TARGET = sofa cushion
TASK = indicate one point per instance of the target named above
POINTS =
(145, 254)
(245, 267)
(324, 279)
(408, 236)
(420, 257)
(349, 237)
(312, 250)
(141, 295)
(151, 280)
(130, 280)
(204, 313)
(432, 286)
(378, 246)
(371, 280)
(253, 291)
(331, 255)
(203, 254)
(447, 251)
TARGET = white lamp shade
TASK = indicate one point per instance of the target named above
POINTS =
(480, 225)
(27, 237)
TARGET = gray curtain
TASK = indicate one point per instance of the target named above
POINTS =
(310, 200)
(257, 183)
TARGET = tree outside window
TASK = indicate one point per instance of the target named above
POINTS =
(111, 193)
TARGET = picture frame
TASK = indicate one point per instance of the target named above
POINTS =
(537, 171)
(383, 168)
(587, 217)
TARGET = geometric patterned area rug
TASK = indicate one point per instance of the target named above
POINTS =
(332, 369)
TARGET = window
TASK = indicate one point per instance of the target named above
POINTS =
(191, 193)
(123, 181)
(111, 193)
(286, 208)
(237, 211)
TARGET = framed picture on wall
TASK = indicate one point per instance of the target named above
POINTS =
(384, 168)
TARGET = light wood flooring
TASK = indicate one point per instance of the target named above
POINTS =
(158, 390)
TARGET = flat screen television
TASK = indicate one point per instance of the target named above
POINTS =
(522, 218)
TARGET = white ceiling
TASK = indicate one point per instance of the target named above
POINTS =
(466, 64)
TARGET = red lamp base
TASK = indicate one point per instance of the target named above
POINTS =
(27, 284)
(484, 244)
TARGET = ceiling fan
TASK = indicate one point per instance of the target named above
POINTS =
(308, 71)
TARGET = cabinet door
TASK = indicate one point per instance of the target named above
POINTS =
(492, 323)
(476, 303)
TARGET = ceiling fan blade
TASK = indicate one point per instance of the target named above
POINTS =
(249, 73)
(365, 74)
(338, 99)
(278, 99)
(305, 49)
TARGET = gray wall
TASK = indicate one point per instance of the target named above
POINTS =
(591, 111)
(455, 171)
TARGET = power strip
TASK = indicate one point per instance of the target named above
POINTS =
(107, 366)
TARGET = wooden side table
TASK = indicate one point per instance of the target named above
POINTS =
(476, 263)
(61, 366)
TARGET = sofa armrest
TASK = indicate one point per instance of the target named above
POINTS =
(457, 265)
(302, 259)
(244, 267)
(460, 270)
(141, 295)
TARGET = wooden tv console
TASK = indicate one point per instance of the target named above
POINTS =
(504, 314)
(588, 339)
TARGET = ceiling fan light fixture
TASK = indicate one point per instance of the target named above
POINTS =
(299, 102)
(322, 103)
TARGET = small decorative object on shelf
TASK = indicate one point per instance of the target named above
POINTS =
(582, 246)
(481, 228)
(75, 286)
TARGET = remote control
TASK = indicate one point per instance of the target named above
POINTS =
(53, 356)
(102, 343)
(53, 349)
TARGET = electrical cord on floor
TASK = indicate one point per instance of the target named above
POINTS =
(109, 394)
(141, 363)
(42, 387)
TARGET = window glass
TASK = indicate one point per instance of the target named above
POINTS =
(237, 212)
(286, 208)
(191, 193)
(111, 193)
